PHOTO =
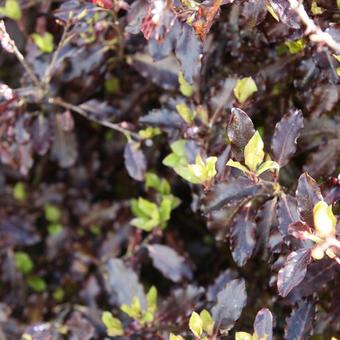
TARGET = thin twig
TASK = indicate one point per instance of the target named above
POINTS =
(49, 71)
(315, 33)
(80, 111)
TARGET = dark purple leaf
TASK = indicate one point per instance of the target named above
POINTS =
(99, 111)
(163, 118)
(240, 130)
(254, 11)
(318, 275)
(220, 282)
(164, 73)
(294, 271)
(136, 14)
(230, 302)
(325, 160)
(232, 191)
(122, 283)
(223, 95)
(287, 213)
(188, 51)
(220, 220)
(287, 131)
(266, 219)
(307, 195)
(169, 263)
(41, 135)
(16, 230)
(135, 161)
(263, 324)
(64, 147)
(299, 324)
(242, 238)
(286, 13)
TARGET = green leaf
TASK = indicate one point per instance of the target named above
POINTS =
(244, 88)
(253, 152)
(338, 4)
(113, 325)
(178, 147)
(315, 9)
(112, 85)
(185, 88)
(160, 185)
(59, 294)
(338, 71)
(185, 112)
(295, 46)
(165, 209)
(11, 10)
(149, 132)
(23, 262)
(44, 42)
(54, 229)
(36, 283)
(237, 165)
(52, 213)
(243, 336)
(19, 191)
(267, 165)
(207, 322)
(196, 324)
(147, 207)
(134, 311)
(151, 299)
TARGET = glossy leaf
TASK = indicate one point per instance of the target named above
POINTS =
(169, 263)
(287, 131)
(293, 271)
(287, 213)
(307, 194)
(135, 161)
(299, 323)
(196, 324)
(243, 237)
(122, 283)
(230, 302)
(263, 324)
(240, 129)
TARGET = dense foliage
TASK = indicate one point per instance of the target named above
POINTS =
(169, 169)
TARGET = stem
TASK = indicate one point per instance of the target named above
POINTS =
(315, 33)
(48, 73)
(80, 111)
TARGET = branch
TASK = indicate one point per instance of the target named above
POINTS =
(80, 111)
(316, 34)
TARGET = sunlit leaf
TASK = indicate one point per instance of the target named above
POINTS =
(253, 152)
(244, 88)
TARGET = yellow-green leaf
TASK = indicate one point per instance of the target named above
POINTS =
(244, 88)
(267, 165)
(196, 324)
(207, 322)
(23, 262)
(237, 165)
(151, 299)
(315, 9)
(175, 337)
(11, 10)
(243, 336)
(113, 325)
(324, 219)
(272, 12)
(185, 88)
(338, 4)
(185, 112)
(295, 46)
(44, 42)
(253, 152)
(19, 191)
